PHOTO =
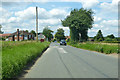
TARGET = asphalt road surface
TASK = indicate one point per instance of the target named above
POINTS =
(69, 62)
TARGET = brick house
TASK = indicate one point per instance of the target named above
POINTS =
(4, 36)
(67, 37)
(20, 36)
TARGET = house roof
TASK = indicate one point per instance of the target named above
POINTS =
(21, 33)
(4, 35)
(67, 36)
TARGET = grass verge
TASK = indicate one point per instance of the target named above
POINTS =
(15, 56)
(103, 48)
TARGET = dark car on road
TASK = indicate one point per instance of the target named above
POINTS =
(63, 42)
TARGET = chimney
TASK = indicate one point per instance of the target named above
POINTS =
(17, 34)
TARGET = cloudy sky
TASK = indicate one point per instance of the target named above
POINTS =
(21, 14)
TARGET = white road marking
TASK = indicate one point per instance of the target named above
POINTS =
(54, 46)
(61, 50)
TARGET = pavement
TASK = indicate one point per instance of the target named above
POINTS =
(70, 62)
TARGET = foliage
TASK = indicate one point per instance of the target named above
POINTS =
(68, 39)
(27, 31)
(15, 55)
(111, 36)
(99, 36)
(48, 33)
(60, 34)
(54, 40)
(103, 48)
(111, 41)
(79, 21)
(33, 32)
(3, 38)
(1, 32)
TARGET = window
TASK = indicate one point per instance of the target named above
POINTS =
(29, 36)
(25, 38)
(20, 36)
(15, 35)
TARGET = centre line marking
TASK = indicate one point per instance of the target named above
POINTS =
(61, 50)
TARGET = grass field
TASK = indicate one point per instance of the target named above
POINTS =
(15, 56)
(0, 60)
(100, 47)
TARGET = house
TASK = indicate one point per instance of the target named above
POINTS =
(91, 39)
(4, 36)
(20, 36)
(67, 37)
(40, 36)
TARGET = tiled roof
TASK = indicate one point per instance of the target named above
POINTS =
(21, 33)
(3, 35)
(67, 36)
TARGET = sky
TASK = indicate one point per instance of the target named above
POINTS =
(21, 14)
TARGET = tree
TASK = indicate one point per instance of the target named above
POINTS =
(111, 36)
(48, 33)
(60, 34)
(0, 29)
(99, 36)
(27, 31)
(33, 32)
(79, 21)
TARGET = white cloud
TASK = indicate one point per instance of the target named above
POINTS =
(95, 25)
(5, 13)
(12, 19)
(30, 13)
(85, 3)
(97, 19)
(25, 19)
(49, 21)
(110, 23)
(110, 7)
(58, 13)
(89, 3)
(107, 27)
(64, 28)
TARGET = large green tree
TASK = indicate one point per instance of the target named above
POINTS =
(99, 36)
(60, 34)
(79, 21)
(27, 31)
(33, 32)
(48, 33)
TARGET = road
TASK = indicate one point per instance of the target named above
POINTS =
(70, 62)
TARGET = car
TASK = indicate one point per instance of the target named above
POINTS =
(63, 42)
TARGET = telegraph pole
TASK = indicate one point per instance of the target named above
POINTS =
(36, 24)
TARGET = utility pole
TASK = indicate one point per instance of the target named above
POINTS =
(36, 24)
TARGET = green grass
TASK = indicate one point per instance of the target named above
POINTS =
(103, 48)
(0, 64)
(15, 56)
